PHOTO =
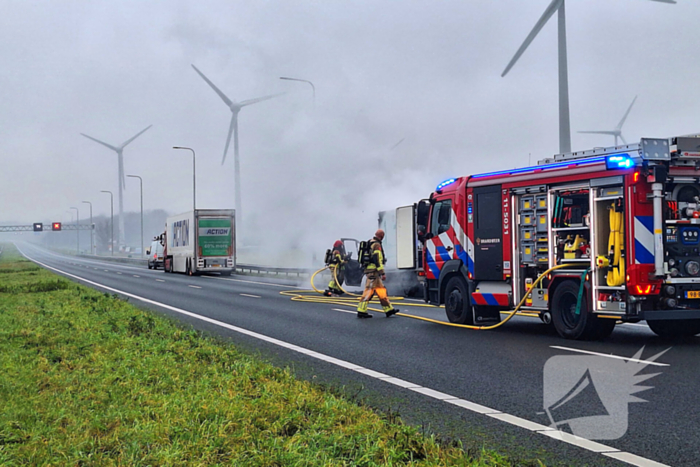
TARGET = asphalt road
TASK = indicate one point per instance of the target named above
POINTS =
(501, 370)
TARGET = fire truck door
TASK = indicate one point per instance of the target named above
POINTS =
(488, 234)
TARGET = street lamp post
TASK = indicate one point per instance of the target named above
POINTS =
(77, 229)
(313, 88)
(141, 184)
(92, 228)
(194, 176)
(111, 223)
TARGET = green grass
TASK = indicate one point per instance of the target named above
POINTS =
(88, 379)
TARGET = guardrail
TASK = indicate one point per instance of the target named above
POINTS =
(272, 271)
(250, 269)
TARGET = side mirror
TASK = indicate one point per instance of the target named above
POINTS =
(148, 251)
(429, 235)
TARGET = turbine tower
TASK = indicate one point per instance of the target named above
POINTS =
(617, 132)
(235, 108)
(122, 181)
(557, 6)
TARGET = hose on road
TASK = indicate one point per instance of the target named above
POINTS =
(312, 296)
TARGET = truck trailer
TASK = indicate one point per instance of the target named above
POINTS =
(203, 240)
(584, 240)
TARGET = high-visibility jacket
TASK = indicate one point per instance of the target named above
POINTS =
(377, 257)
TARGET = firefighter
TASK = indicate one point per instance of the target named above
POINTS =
(374, 270)
(336, 265)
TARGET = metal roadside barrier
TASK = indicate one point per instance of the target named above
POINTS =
(272, 271)
(117, 259)
(246, 269)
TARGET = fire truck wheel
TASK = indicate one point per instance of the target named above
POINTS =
(567, 323)
(457, 304)
(675, 328)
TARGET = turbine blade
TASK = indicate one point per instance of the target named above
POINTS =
(223, 97)
(101, 142)
(134, 137)
(622, 122)
(548, 12)
(601, 132)
(259, 99)
(672, 2)
(234, 119)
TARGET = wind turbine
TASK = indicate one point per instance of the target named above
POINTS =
(617, 132)
(122, 181)
(557, 6)
(235, 108)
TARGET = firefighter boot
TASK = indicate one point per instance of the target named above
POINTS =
(327, 293)
(391, 312)
(362, 310)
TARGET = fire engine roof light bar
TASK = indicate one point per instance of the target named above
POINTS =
(555, 165)
(619, 161)
(445, 183)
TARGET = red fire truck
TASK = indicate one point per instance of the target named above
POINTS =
(587, 239)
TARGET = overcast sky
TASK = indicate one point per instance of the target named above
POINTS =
(427, 73)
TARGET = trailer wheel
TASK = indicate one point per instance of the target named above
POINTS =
(457, 303)
(567, 323)
(677, 328)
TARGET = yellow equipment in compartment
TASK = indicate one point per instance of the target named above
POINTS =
(616, 268)
(572, 249)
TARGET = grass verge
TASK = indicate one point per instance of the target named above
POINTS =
(88, 379)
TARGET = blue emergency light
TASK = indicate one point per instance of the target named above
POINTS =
(619, 161)
(445, 183)
(554, 165)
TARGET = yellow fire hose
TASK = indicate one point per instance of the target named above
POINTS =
(353, 299)
(615, 264)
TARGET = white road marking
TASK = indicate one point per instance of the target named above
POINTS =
(345, 311)
(194, 286)
(517, 421)
(119, 273)
(248, 295)
(254, 282)
(617, 357)
(136, 275)
(106, 270)
(160, 280)
(633, 459)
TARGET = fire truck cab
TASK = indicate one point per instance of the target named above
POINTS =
(584, 240)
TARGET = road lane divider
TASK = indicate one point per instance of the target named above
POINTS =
(249, 295)
(553, 433)
(616, 357)
(194, 286)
